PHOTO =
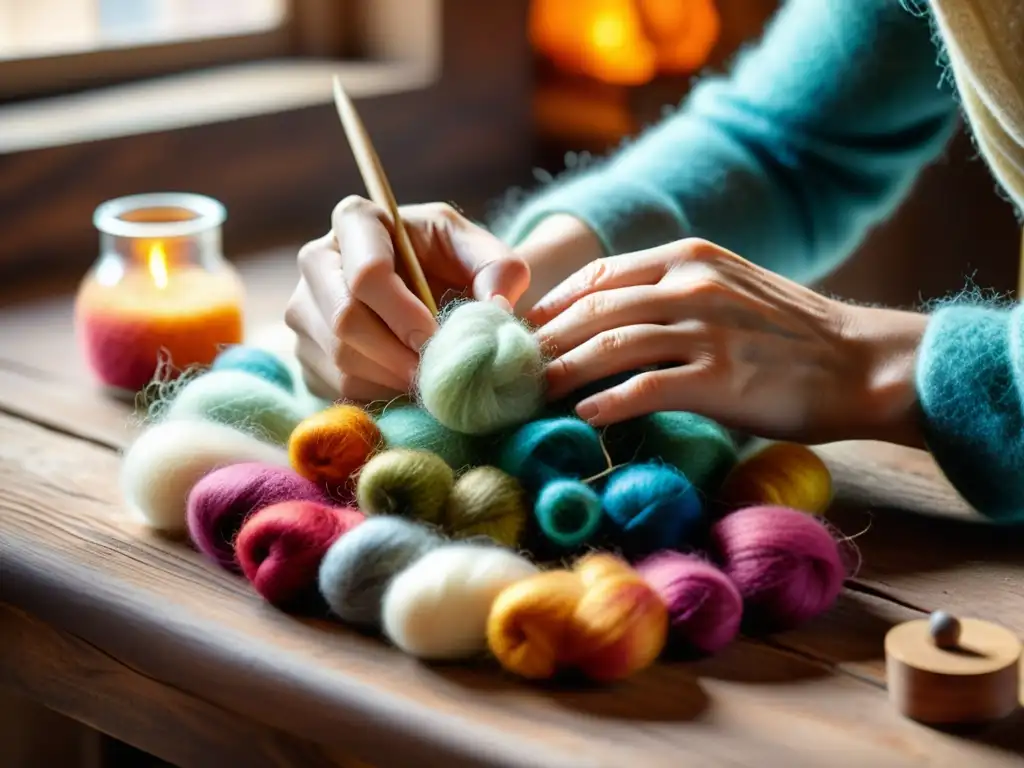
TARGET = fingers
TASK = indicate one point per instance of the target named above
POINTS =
(359, 347)
(599, 312)
(682, 388)
(367, 262)
(612, 352)
(506, 277)
(644, 268)
(324, 380)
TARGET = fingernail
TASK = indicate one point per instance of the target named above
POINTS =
(502, 302)
(417, 339)
(587, 410)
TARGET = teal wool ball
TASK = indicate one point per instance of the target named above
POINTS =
(258, 362)
(482, 371)
(698, 447)
(239, 400)
(650, 507)
(568, 514)
(549, 449)
(409, 426)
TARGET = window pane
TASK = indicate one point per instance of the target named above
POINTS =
(30, 28)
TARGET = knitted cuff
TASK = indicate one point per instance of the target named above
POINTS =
(969, 385)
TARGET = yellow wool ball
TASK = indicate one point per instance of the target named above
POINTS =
(783, 475)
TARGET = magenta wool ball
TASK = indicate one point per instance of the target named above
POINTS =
(704, 606)
(224, 499)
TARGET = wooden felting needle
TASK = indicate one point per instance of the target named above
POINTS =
(379, 190)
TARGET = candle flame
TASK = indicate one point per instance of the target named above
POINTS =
(158, 265)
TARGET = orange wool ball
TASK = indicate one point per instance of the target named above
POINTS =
(620, 625)
(601, 619)
(329, 447)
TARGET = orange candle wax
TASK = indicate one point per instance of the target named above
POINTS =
(184, 314)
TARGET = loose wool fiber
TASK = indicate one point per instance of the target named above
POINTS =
(785, 563)
(568, 513)
(698, 447)
(409, 426)
(413, 484)
(780, 474)
(224, 499)
(482, 371)
(487, 502)
(553, 448)
(280, 548)
(438, 607)
(257, 362)
(705, 608)
(601, 619)
(240, 400)
(357, 569)
(167, 459)
(651, 507)
(330, 446)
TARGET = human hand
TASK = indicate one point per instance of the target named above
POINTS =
(359, 327)
(712, 333)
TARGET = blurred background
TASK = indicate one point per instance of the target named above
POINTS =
(465, 99)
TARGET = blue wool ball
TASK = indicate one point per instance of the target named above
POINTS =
(568, 513)
(258, 362)
(650, 507)
(409, 426)
(544, 450)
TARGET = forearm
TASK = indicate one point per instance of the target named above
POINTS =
(789, 160)
(559, 246)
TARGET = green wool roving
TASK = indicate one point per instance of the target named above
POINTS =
(240, 400)
(409, 426)
(700, 448)
(482, 371)
(405, 483)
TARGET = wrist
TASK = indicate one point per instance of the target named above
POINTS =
(887, 342)
(556, 248)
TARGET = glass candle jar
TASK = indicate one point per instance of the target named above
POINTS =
(161, 295)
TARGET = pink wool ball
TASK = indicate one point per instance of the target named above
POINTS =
(224, 499)
(704, 606)
(786, 564)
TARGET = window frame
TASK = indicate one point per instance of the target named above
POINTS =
(312, 28)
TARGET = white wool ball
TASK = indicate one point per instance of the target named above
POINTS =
(438, 607)
(162, 465)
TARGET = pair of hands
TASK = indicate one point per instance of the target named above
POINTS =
(710, 332)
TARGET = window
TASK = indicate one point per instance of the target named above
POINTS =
(49, 46)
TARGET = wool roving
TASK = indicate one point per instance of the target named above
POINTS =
(601, 619)
(280, 547)
(568, 513)
(241, 400)
(487, 502)
(482, 370)
(409, 426)
(437, 608)
(547, 449)
(357, 569)
(785, 563)
(168, 459)
(650, 507)
(698, 447)
(225, 498)
(705, 608)
(332, 445)
(779, 474)
(255, 361)
(414, 484)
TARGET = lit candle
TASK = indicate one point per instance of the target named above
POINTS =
(160, 292)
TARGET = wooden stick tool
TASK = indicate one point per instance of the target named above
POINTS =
(379, 190)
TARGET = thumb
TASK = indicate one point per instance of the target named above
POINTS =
(508, 276)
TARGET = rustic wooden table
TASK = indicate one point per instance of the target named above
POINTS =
(140, 638)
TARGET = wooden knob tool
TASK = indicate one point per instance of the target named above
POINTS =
(946, 671)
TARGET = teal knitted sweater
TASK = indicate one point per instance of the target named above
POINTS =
(815, 136)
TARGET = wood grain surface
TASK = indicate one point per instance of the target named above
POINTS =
(141, 638)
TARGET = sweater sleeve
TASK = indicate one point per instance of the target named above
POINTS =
(815, 136)
(970, 383)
